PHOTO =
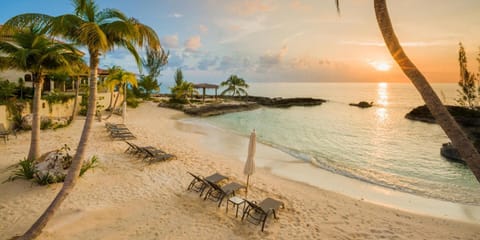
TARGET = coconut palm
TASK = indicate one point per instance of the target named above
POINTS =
(31, 51)
(458, 137)
(118, 78)
(79, 68)
(235, 85)
(100, 31)
(182, 89)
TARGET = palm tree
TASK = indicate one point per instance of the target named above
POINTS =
(235, 85)
(29, 50)
(458, 137)
(182, 89)
(78, 68)
(118, 78)
(100, 31)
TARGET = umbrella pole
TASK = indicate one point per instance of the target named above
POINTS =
(246, 190)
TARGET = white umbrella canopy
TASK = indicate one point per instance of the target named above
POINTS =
(250, 163)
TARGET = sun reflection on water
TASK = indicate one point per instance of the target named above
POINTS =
(382, 101)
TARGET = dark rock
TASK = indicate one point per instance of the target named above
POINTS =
(468, 119)
(464, 116)
(219, 108)
(279, 102)
(362, 104)
(450, 153)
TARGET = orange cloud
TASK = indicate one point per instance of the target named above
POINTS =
(250, 7)
(193, 44)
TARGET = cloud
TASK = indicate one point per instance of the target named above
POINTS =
(170, 41)
(236, 30)
(176, 15)
(206, 63)
(193, 44)
(202, 28)
(250, 7)
(404, 44)
(271, 59)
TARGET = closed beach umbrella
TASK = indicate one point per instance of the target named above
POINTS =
(250, 163)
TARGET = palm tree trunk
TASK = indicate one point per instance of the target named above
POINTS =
(74, 170)
(75, 102)
(459, 139)
(34, 151)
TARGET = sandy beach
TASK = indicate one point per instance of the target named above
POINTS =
(126, 198)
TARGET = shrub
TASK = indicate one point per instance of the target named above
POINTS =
(25, 170)
(90, 164)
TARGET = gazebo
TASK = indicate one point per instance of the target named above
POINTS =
(204, 86)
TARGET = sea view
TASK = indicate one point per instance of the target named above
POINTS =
(376, 145)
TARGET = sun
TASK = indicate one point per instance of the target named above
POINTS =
(381, 66)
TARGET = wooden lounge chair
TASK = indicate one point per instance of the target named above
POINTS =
(258, 213)
(217, 193)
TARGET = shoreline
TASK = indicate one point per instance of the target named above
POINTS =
(286, 166)
(125, 198)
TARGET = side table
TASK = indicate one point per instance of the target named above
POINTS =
(236, 201)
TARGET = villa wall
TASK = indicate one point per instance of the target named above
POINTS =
(3, 116)
(58, 110)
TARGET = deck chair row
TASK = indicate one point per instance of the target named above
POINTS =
(253, 212)
(119, 131)
(149, 154)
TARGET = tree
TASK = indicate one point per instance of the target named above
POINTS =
(78, 68)
(100, 31)
(458, 137)
(30, 50)
(468, 92)
(119, 79)
(182, 89)
(235, 85)
(153, 64)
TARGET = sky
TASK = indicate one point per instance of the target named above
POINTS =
(292, 40)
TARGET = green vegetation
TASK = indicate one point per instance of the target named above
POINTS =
(468, 93)
(153, 63)
(182, 89)
(90, 164)
(237, 86)
(25, 170)
(7, 91)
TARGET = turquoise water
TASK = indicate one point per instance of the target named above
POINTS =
(376, 145)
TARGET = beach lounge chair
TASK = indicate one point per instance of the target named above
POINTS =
(198, 184)
(258, 213)
(217, 193)
(4, 132)
(132, 148)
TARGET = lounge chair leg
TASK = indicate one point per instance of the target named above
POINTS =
(263, 222)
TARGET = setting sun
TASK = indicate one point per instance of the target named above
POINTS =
(381, 66)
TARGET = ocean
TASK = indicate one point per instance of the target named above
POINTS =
(377, 145)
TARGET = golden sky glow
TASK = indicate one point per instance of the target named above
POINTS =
(294, 40)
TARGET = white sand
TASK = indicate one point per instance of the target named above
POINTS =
(128, 199)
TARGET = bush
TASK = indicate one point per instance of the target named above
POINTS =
(90, 164)
(25, 169)
(133, 102)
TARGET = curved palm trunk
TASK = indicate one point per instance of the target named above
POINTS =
(34, 151)
(73, 172)
(459, 139)
(75, 102)
(113, 106)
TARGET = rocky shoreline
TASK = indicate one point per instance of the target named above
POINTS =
(239, 104)
(468, 119)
